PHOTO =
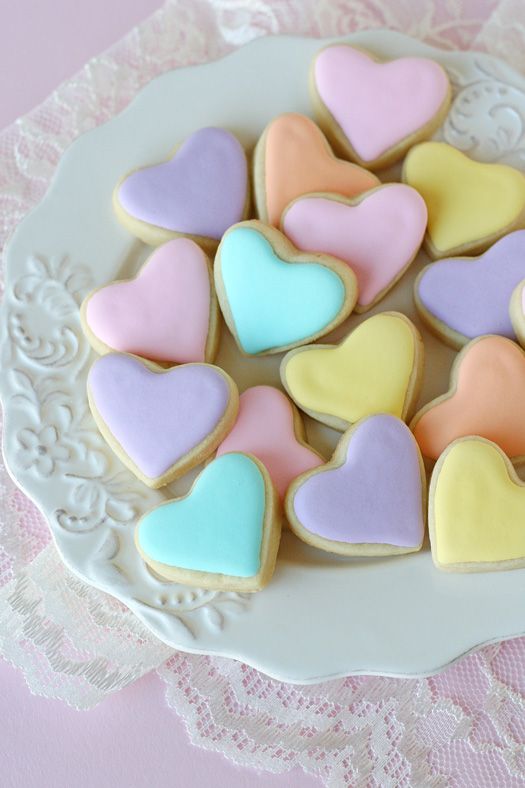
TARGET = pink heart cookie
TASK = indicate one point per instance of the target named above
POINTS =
(270, 427)
(168, 313)
(377, 234)
(373, 112)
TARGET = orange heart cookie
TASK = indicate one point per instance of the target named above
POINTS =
(485, 399)
(292, 158)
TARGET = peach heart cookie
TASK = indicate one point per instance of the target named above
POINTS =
(476, 511)
(370, 499)
(470, 204)
(378, 233)
(271, 428)
(167, 313)
(373, 112)
(461, 298)
(376, 369)
(273, 297)
(485, 398)
(224, 534)
(517, 311)
(161, 423)
(293, 157)
(199, 192)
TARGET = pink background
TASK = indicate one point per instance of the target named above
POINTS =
(132, 738)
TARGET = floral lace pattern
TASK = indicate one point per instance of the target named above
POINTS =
(463, 727)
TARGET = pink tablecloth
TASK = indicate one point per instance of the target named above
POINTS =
(463, 728)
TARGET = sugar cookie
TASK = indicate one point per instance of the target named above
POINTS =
(517, 311)
(371, 111)
(476, 509)
(370, 499)
(199, 192)
(377, 368)
(168, 313)
(293, 157)
(161, 423)
(224, 534)
(470, 204)
(273, 297)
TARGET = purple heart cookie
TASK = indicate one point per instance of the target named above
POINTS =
(369, 499)
(461, 298)
(200, 192)
(161, 423)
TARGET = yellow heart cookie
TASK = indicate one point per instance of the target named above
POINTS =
(376, 369)
(470, 204)
(476, 509)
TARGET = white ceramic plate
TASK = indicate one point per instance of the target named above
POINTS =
(321, 616)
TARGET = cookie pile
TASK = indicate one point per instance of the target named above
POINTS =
(329, 239)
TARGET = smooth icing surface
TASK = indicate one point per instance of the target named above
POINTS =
(368, 373)
(275, 303)
(378, 104)
(164, 313)
(488, 401)
(200, 191)
(472, 296)
(523, 300)
(297, 160)
(157, 418)
(217, 528)
(466, 200)
(265, 428)
(479, 512)
(377, 237)
(375, 496)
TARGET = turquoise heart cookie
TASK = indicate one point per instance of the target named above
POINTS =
(222, 534)
(274, 298)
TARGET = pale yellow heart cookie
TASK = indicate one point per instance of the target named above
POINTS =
(470, 204)
(376, 369)
(476, 509)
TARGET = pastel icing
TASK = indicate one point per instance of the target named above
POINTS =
(157, 417)
(265, 428)
(201, 191)
(466, 200)
(377, 237)
(217, 527)
(487, 401)
(275, 303)
(478, 509)
(368, 373)
(298, 159)
(375, 496)
(162, 314)
(378, 105)
(471, 296)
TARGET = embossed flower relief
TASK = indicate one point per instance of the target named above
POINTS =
(40, 450)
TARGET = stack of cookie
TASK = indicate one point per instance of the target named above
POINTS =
(298, 247)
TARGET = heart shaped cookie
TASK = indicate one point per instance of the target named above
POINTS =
(470, 204)
(485, 398)
(167, 313)
(274, 298)
(462, 298)
(201, 191)
(476, 511)
(270, 427)
(378, 234)
(161, 423)
(373, 112)
(370, 499)
(376, 369)
(224, 534)
(292, 158)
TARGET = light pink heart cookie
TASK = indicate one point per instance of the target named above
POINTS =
(377, 234)
(373, 112)
(270, 427)
(168, 313)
